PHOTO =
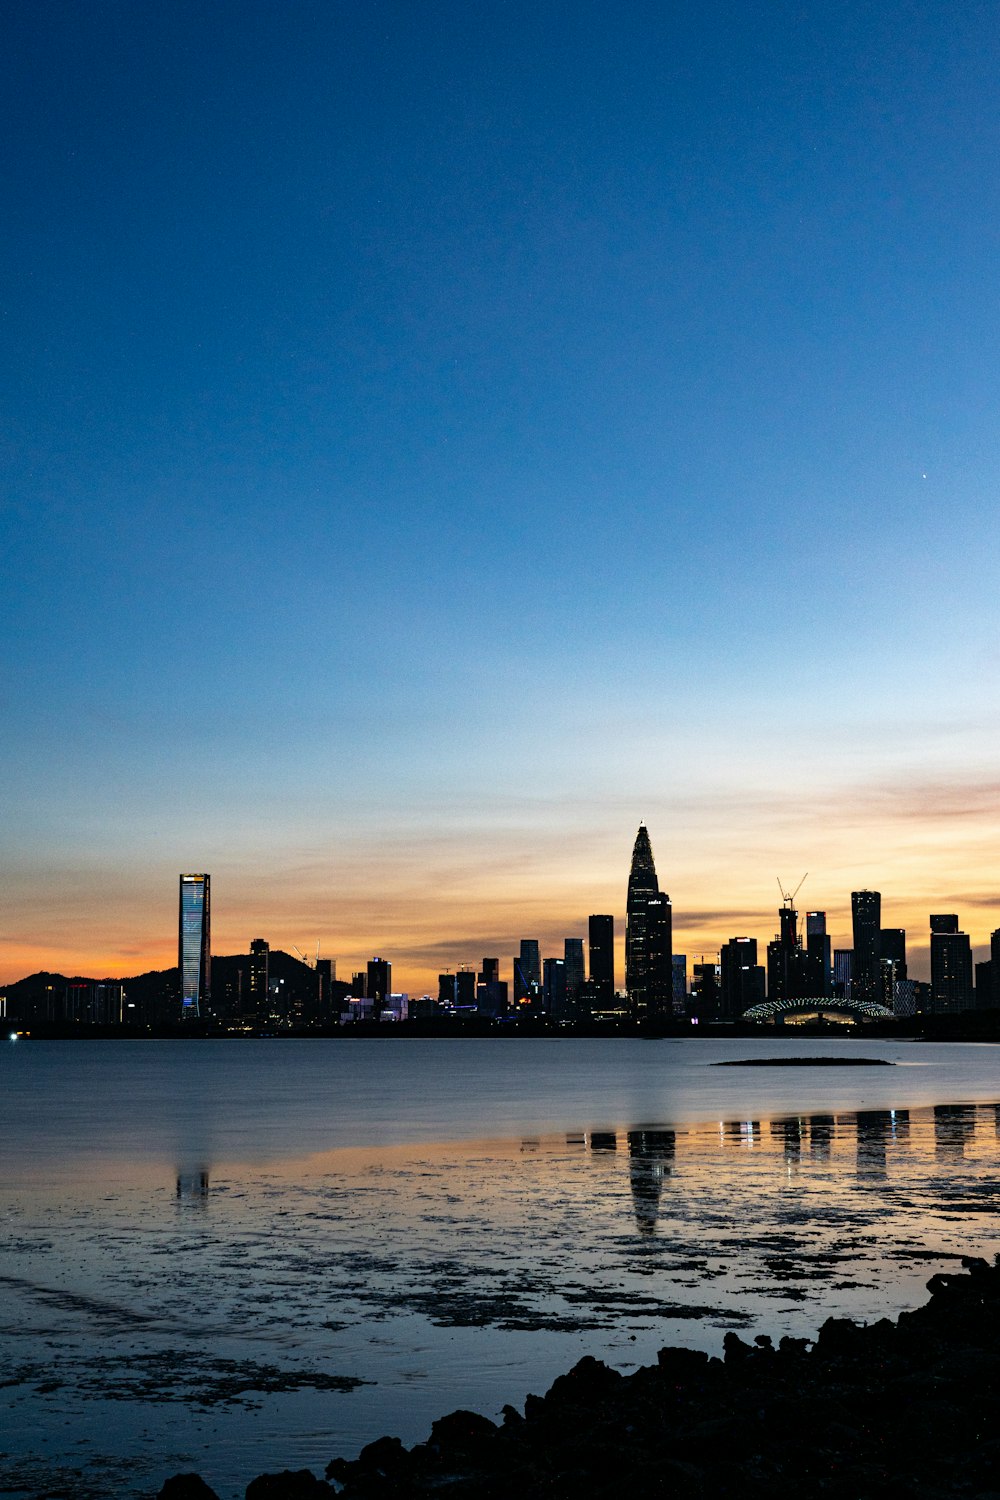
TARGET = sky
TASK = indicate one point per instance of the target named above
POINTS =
(437, 438)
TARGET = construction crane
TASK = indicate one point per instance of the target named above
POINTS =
(789, 899)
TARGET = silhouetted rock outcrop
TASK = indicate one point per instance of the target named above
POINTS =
(889, 1411)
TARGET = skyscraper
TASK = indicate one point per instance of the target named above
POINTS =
(741, 977)
(648, 937)
(527, 973)
(951, 966)
(378, 984)
(601, 939)
(260, 952)
(573, 957)
(892, 941)
(843, 969)
(194, 945)
(866, 913)
(556, 1003)
(819, 966)
(787, 971)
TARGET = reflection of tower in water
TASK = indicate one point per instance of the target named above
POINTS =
(789, 1133)
(874, 1126)
(192, 1186)
(954, 1128)
(651, 1154)
(821, 1129)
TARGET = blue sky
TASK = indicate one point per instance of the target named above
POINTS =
(439, 437)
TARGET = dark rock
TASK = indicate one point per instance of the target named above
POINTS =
(736, 1351)
(290, 1484)
(888, 1411)
(589, 1381)
(186, 1487)
(385, 1456)
(461, 1431)
(682, 1365)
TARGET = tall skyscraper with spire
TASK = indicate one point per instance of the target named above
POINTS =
(648, 937)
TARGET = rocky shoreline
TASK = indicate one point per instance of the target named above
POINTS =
(904, 1410)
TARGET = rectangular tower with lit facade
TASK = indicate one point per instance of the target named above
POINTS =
(194, 946)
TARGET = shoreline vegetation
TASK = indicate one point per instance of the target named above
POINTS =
(893, 1410)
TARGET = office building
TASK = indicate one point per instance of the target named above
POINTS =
(573, 958)
(258, 977)
(490, 973)
(648, 937)
(491, 990)
(705, 985)
(194, 946)
(892, 943)
(465, 989)
(555, 995)
(741, 978)
(527, 973)
(843, 969)
(819, 965)
(995, 968)
(378, 986)
(679, 968)
(447, 990)
(866, 915)
(951, 967)
(984, 984)
(787, 970)
(601, 942)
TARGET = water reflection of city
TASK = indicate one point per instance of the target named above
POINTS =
(855, 1146)
(192, 1186)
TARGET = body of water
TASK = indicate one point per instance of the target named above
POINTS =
(250, 1255)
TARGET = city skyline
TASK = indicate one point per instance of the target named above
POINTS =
(436, 443)
(915, 942)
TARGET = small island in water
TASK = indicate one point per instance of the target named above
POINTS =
(804, 1062)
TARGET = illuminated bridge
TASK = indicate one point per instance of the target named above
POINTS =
(851, 1011)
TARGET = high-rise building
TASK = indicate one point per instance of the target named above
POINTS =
(787, 973)
(194, 945)
(601, 940)
(705, 984)
(648, 937)
(573, 958)
(951, 966)
(447, 990)
(843, 969)
(892, 943)
(465, 988)
(819, 966)
(556, 1002)
(866, 914)
(741, 978)
(378, 984)
(984, 984)
(527, 973)
(679, 987)
(491, 990)
(258, 975)
(995, 968)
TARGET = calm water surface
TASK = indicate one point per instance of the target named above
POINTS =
(235, 1256)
